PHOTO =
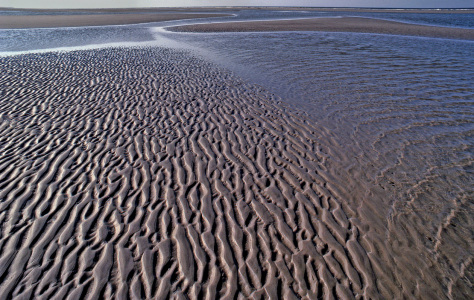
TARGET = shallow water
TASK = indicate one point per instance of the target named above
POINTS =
(383, 86)
(47, 38)
(400, 116)
(464, 20)
(435, 19)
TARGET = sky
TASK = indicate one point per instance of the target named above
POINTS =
(176, 3)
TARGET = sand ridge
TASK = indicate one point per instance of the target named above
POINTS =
(339, 24)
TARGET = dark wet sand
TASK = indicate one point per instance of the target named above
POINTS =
(345, 24)
(147, 173)
(42, 21)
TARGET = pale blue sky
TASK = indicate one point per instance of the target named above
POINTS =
(175, 3)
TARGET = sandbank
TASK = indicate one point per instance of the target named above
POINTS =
(46, 21)
(344, 24)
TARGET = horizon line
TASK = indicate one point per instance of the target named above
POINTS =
(247, 6)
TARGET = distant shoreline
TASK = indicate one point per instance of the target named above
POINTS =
(340, 24)
(230, 8)
(51, 21)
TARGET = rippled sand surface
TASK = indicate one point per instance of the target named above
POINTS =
(148, 172)
(398, 117)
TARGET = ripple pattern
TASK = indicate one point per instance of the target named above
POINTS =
(148, 173)
(395, 117)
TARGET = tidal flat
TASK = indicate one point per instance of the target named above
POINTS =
(266, 159)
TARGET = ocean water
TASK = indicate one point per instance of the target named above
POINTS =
(396, 113)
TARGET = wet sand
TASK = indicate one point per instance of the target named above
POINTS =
(386, 10)
(149, 173)
(344, 24)
(48, 21)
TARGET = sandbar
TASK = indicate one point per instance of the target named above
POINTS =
(47, 21)
(344, 24)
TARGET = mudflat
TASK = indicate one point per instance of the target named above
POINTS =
(343, 24)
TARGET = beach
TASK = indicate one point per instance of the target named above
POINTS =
(151, 171)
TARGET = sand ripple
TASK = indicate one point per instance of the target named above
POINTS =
(143, 173)
(148, 173)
